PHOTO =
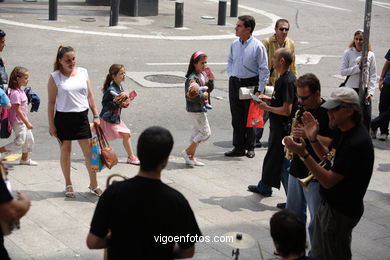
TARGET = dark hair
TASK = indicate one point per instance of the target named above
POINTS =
(249, 21)
(357, 116)
(352, 44)
(286, 55)
(191, 65)
(114, 69)
(2, 34)
(310, 80)
(17, 72)
(154, 146)
(288, 232)
(60, 53)
(281, 21)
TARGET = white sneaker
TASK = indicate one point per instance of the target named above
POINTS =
(382, 137)
(197, 163)
(187, 158)
(28, 162)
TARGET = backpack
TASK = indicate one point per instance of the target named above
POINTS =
(5, 125)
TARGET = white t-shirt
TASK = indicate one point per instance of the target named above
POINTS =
(72, 92)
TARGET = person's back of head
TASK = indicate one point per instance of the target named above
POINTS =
(288, 232)
(153, 148)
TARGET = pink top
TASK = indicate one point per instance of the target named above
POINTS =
(17, 96)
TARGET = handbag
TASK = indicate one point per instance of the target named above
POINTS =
(5, 125)
(345, 82)
(96, 154)
(108, 156)
(255, 116)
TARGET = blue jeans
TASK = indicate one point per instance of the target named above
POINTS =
(285, 172)
(299, 198)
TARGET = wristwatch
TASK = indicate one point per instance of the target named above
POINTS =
(95, 116)
(304, 157)
(315, 140)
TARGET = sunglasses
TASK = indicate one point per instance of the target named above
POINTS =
(337, 108)
(2, 33)
(284, 29)
(359, 39)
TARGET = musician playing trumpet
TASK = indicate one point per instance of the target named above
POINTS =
(344, 185)
(298, 199)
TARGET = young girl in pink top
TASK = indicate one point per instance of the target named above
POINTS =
(24, 139)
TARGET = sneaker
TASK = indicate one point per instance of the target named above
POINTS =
(133, 161)
(187, 158)
(208, 106)
(382, 137)
(373, 133)
(28, 162)
(197, 163)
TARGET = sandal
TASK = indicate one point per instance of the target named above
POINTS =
(96, 191)
(69, 192)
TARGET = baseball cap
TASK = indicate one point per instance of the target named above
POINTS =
(341, 95)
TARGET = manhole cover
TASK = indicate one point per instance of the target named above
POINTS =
(165, 79)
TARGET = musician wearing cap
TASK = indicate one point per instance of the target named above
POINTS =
(131, 215)
(299, 198)
(344, 185)
(247, 67)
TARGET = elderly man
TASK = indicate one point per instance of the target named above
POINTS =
(342, 186)
(247, 66)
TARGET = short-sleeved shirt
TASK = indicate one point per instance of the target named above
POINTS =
(354, 159)
(72, 92)
(387, 76)
(5, 196)
(4, 100)
(140, 211)
(298, 168)
(284, 91)
(17, 96)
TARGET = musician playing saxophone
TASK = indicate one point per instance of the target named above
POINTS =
(344, 185)
(10, 210)
(298, 199)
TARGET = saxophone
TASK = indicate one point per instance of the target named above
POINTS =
(295, 123)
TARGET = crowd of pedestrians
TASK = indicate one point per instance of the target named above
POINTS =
(324, 137)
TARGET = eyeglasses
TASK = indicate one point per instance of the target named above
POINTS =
(359, 39)
(303, 98)
(284, 29)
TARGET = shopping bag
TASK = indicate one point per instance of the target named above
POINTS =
(255, 116)
(96, 160)
(108, 156)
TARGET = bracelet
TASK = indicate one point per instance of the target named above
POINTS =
(315, 140)
(304, 157)
(95, 116)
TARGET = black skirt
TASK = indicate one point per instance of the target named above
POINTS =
(72, 125)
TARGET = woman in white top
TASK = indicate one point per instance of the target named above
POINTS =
(70, 96)
(351, 67)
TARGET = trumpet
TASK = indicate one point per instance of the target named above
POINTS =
(306, 181)
(290, 155)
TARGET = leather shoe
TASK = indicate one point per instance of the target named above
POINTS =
(250, 154)
(235, 153)
(258, 145)
(253, 188)
(281, 205)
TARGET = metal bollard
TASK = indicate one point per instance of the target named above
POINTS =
(114, 12)
(53, 10)
(233, 8)
(222, 12)
(179, 14)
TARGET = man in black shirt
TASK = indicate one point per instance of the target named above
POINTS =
(280, 109)
(143, 218)
(298, 198)
(344, 185)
